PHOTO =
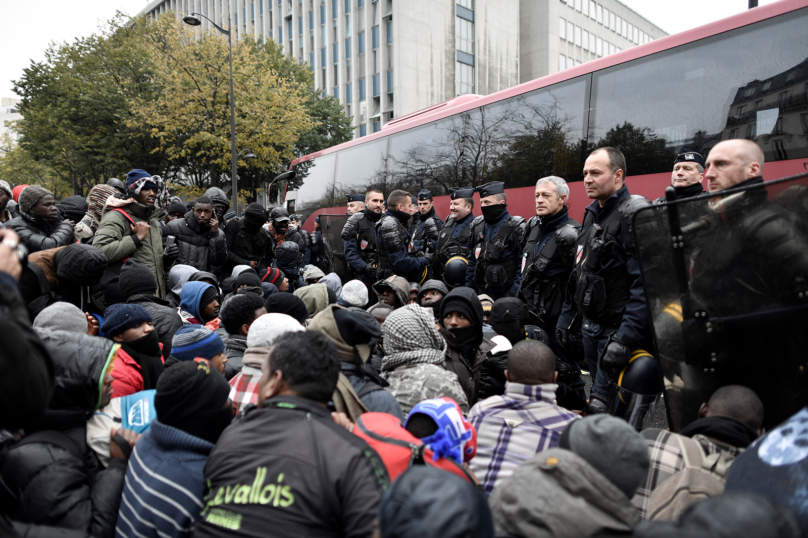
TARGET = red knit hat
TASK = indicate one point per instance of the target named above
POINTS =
(273, 276)
(17, 191)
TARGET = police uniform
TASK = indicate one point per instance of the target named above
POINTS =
(608, 290)
(396, 253)
(497, 242)
(455, 235)
(686, 155)
(547, 263)
(426, 227)
(355, 198)
(360, 245)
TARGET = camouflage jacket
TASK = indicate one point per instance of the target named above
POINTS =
(415, 383)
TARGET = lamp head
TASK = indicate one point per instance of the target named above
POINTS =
(192, 21)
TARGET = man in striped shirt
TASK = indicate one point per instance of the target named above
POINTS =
(515, 426)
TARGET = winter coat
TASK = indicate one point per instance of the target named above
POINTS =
(377, 400)
(199, 247)
(72, 208)
(55, 476)
(557, 494)
(467, 374)
(166, 319)
(234, 350)
(126, 374)
(244, 246)
(286, 256)
(164, 484)
(117, 241)
(327, 481)
(37, 233)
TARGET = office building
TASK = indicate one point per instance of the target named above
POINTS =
(384, 59)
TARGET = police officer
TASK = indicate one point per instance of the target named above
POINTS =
(294, 224)
(356, 203)
(359, 239)
(426, 224)
(497, 242)
(608, 291)
(396, 253)
(688, 174)
(455, 235)
(548, 257)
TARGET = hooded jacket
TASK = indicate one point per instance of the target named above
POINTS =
(286, 259)
(116, 240)
(326, 481)
(399, 285)
(166, 319)
(63, 484)
(199, 247)
(244, 245)
(72, 208)
(315, 297)
(191, 297)
(557, 494)
(37, 233)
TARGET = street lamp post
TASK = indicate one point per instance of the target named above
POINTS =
(194, 21)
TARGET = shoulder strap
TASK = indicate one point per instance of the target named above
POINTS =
(125, 214)
(367, 388)
(51, 437)
(549, 248)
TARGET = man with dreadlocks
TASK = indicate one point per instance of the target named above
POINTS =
(130, 226)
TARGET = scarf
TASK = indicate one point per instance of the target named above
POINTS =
(146, 352)
(371, 216)
(724, 429)
(402, 217)
(236, 342)
(492, 213)
(467, 340)
(688, 191)
(97, 199)
(161, 200)
(410, 338)
(346, 400)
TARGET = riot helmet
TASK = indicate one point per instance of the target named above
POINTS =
(117, 184)
(454, 274)
(637, 389)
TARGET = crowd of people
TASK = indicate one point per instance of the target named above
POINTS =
(170, 369)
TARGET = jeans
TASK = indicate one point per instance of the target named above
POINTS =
(596, 335)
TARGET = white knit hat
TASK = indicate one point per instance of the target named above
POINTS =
(355, 293)
(267, 328)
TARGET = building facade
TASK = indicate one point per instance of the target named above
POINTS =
(8, 115)
(384, 59)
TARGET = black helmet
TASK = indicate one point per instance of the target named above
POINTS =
(637, 389)
(454, 274)
(279, 214)
(117, 184)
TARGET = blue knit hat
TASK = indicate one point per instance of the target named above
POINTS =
(121, 317)
(137, 174)
(192, 341)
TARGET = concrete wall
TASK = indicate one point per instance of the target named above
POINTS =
(496, 36)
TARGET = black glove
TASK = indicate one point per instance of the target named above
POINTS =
(562, 337)
(170, 254)
(430, 256)
(616, 356)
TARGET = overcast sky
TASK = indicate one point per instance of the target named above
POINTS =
(28, 27)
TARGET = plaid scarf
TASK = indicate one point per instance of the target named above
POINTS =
(162, 192)
(410, 338)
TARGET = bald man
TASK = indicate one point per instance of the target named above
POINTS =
(515, 426)
(750, 258)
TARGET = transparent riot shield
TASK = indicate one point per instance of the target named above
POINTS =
(331, 228)
(726, 282)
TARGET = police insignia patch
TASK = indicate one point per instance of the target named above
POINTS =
(363, 244)
(580, 253)
(477, 252)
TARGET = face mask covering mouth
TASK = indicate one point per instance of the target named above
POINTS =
(491, 213)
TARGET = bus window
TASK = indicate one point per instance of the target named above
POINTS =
(359, 168)
(314, 183)
(532, 135)
(726, 86)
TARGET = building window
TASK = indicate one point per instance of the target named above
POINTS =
(612, 21)
(348, 48)
(733, 133)
(336, 92)
(280, 34)
(617, 22)
(322, 13)
(578, 36)
(377, 125)
(600, 14)
(362, 90)
(599, 46)
(311, 20)
(465, 35)
(375, 37)
(361, 43)
(363, 129)
(311, 60)
(348, 93)
(466, 4)
(333, 9)
(376, 86)
(751, 131)
(347, 7)
(300, 26)
(389, 30)
(464, 77)
(335, 52)
(804, 121)
(586, 8)
(781, 98)
(347, 26)
(578, 5)
(390, 81)
(360, 3)
(780, 150)
(585, 40)
(562, 28)
(570, 63)
(562, 62)
(322, 57)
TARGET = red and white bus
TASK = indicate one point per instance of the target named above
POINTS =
(742, 77)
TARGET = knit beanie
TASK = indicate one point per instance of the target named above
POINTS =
(192, 341)
(134, 175)
(7, 188)
(30, 196)
(273, 276)
(122, 317)
(62, 317)
(176, 207)
(249, 278)
(287, 303)
(355, 293)
(136, 279)
(80, 264)
(433, 285)
(612, 447)
(256, 214)
(17, 191)
(267, 328)
(238, 269)
(453, 303)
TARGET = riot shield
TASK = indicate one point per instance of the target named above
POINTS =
(726, 282)
(331, 228)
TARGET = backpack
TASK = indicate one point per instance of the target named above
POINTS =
(702, 477)
(398, 448)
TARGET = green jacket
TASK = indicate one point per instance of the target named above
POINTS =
(115, 239)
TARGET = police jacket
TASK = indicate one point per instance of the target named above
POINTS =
(245, 245)
(425, 231)
(199, 247)
(359, 239)
(683, 192)
(287, 467)
(395, 246)
(497, 249)
(453, 240)
(547, 263)
(607, 286)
